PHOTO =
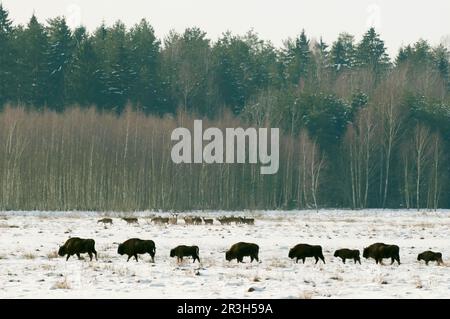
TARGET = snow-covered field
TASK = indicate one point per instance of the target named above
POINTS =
(30, 267)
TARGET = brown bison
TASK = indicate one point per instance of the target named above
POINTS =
(378, 251)
(429, 255)
(348, 254)
(302, 251)
(134, 246)
(77, 246)
(188, 220)
(208, 221)
(105, 221)
(130, 220)
(240, 250)
(224, 220)
(160, 220)
(248, 221)
(185, 251)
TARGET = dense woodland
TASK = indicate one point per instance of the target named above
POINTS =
(86, 119)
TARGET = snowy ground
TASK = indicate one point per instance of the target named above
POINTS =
(30, 267)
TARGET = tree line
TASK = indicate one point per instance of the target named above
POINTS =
(360, 129)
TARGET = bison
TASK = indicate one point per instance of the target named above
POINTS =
(160, 220)
(189, 220)
(105, 221)
(348, 254)
(301, 251)
(240, 250)
(208, 221)
(77, 246)
(224, 220)
(378, 251)
(429, 255)
(185, 251)
(134, 246)
(130, 220)
(248, 221)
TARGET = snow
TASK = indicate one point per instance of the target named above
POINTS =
(30, 268)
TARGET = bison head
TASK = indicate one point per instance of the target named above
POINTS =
(336, 253)
(62, 251)
(172, 252)
(229, 255)
(292, 253)
(366, 253)
(120, 250)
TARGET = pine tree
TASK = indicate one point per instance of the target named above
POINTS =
(441, 57)
(34, 53)
(60, 57)
(6, 57)
(342, 55)
(298, 56)
(371, 52)
(146, 90)
(84, 78)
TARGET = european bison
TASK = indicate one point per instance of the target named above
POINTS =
(208, 221)
(224, 220)
(348, 254)
(378, 251)
(185, 251)
(301, 251)
(77, 246)
(248, 221)
(130, 220)
(174, 219)
(105, 221)
(160, 220)
(188, 220)
(134, 246)
(429, 255)
(240, 250)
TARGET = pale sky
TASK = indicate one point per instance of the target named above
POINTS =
(399, 22)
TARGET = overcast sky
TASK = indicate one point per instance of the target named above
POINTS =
(399, 22)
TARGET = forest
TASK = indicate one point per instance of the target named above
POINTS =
(86, 118)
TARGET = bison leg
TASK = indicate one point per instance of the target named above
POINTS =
(136, 257)
(256, 257)
(343, 260)
(78, 255)
(251, 259)
(296, 260)
(129, 256)
(68, 256)
(90, 256)
(303, 259)
(316, 258)
(323, 259)
(95, 253)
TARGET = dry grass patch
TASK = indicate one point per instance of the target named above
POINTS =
(306, 295)
(52, 255)
(29, 256)
(63, 284)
